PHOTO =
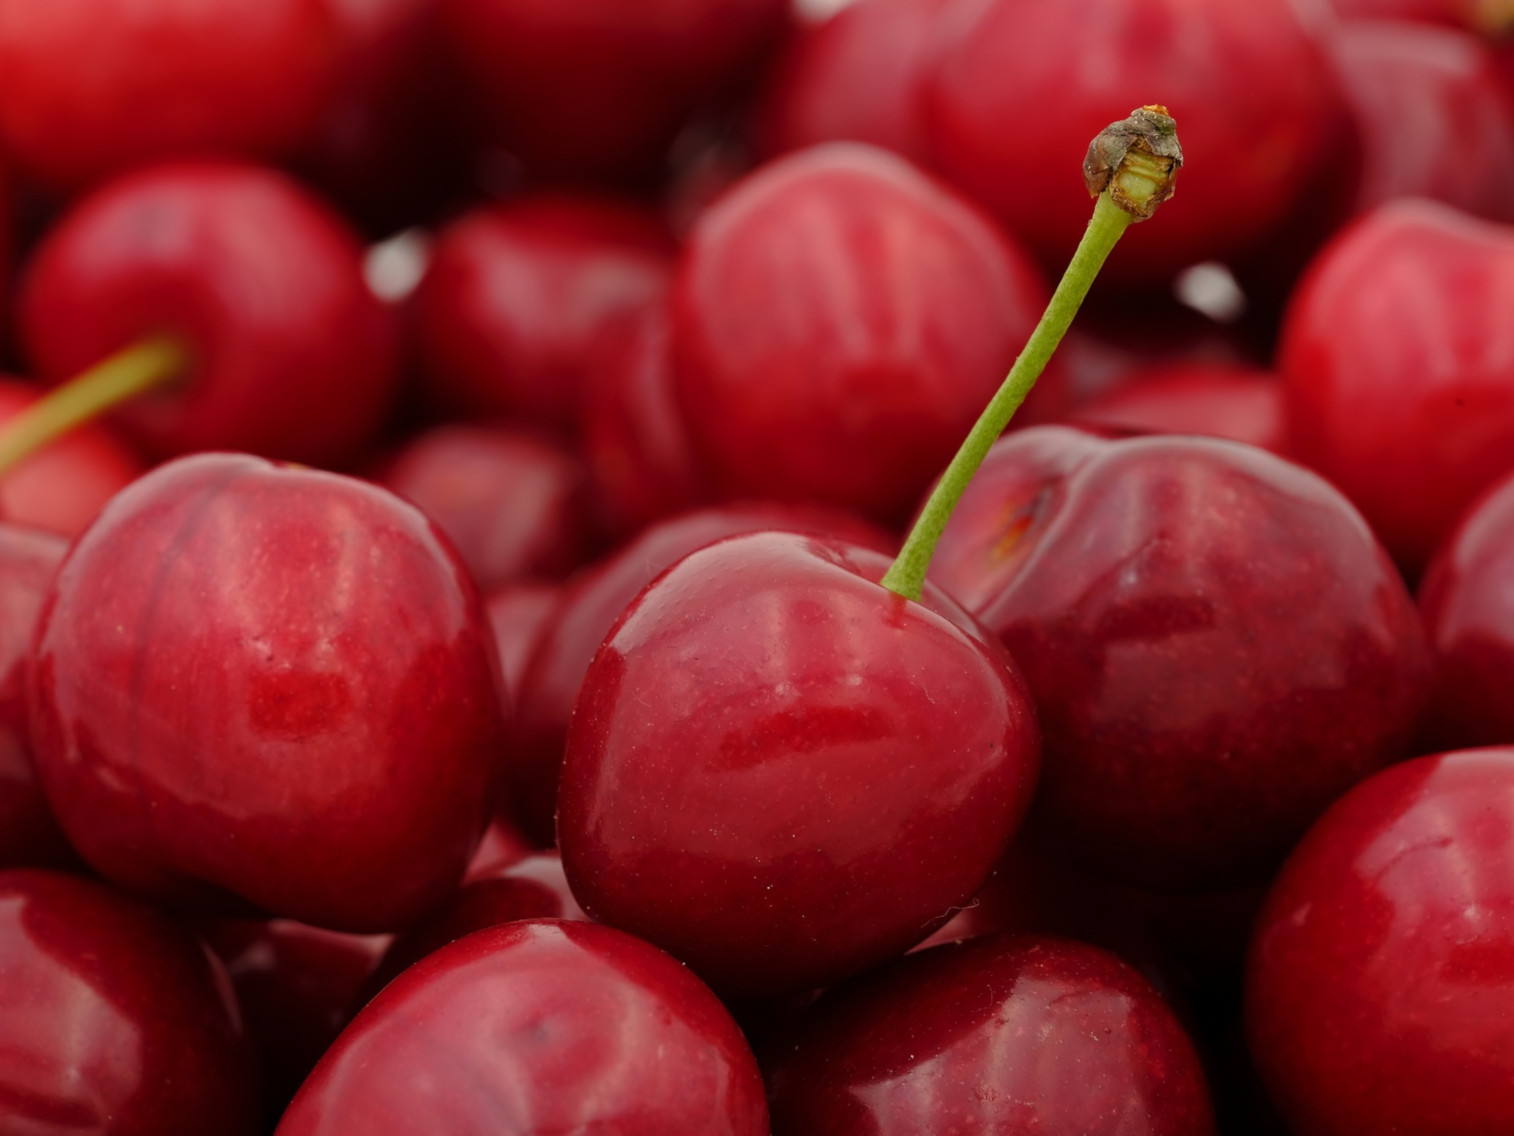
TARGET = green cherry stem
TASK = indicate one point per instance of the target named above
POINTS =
(1131, 166)
(132, 371)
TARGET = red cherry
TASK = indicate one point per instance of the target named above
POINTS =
(291, 355)
(93, 87)
(784, 773)
(114, 1019)
(1217, 646)
(1249, 82)
(1001, 1034)
(270, 682)
(518, 613)
(839, 319)
(1380, 990)
(1221, 400)
(1398, 359)
(538, 1026)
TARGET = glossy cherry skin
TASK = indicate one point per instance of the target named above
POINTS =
(839, 321)
(149, 79)
(1217, 645)
(518, 299)
(1434, 115)
(589, 607)
(1469, 620)
(1005, 1034)
(29, 835)
(857, 75)
(1220, 400)
(1399, 364)
(62, 487)
(297, 985)
(271, 683)
(536, 1027)
(1380, 988)
(115, 1019)
(515, 505)
(593, 89)
(782, 772)
(292, 355)
(1255, 101)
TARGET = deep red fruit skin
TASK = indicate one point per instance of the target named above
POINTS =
(1008, 1034)
(518, 299)
(29, 836)
(518, 613)
(114, 1019)
(1256, 104)
(538, 1026)
(1398, 358)
(839, 321)
(1433, 113)
(293, 356)
(858, 76)
(599, 88)
(1380, 988)
(1217, 646)
(589, 607)
(146, 80)
(62, 487)
(1469, 621)
(783, 773)
(514, 504)
(271, 682)
(1220, 400)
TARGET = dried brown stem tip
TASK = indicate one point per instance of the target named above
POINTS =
(1136, 160)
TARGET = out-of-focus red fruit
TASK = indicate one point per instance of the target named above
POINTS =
(1219, 400)
(518, 613)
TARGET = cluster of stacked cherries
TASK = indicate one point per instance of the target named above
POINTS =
(455, 675)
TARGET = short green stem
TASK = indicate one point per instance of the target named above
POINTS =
(906, 575)
(132, 371)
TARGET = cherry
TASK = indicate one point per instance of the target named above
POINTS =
(1260, 108)
(146, 80)
(513, 504)
(250, 289)
(29, 836)
(593, 88)
(590, 605)
(62, 487)
(1469, 619)
(1399, 368)
(518, 613)
(1001, 1034)
(1380, 990)
(114, 1019)
(538, 1026)
(1222, 400)
(1216, 644)
(269, 683)
(1457, 13)
(518, 300)
(838, 321)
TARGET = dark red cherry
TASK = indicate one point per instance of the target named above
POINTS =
(1380, 989)
(1221, 400)
(115, 1019)
(290, 354)
(518, 613)
(538, 1026)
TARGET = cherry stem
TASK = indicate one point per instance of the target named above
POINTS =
(132, 371)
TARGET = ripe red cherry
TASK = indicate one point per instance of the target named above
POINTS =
(518, 300)
(1217, 646)
(1006, 1033)
(782, 772)
(114, 1019)
(1249, 82)
(271, 683)
(96, 86)
(1469, 619)
(839, 319)
(538, 1026)
(1221, 400)
(290, 354)
(1380, 989)
(1398, 358)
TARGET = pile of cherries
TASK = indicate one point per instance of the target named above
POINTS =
(456, 678)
